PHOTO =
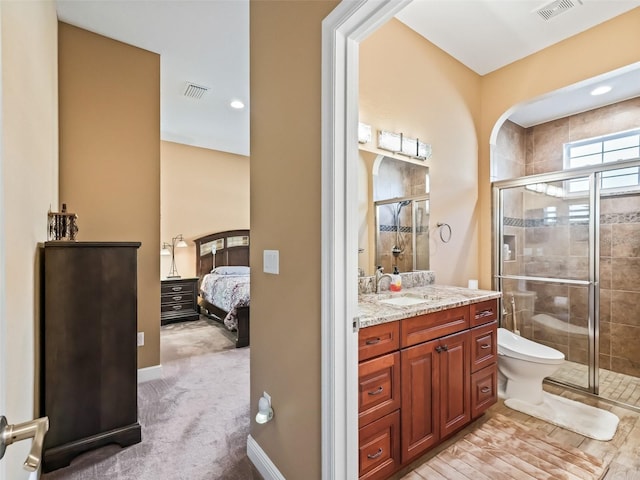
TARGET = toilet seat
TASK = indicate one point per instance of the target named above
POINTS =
(515, 346)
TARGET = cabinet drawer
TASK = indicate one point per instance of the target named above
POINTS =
(422, 328)
(483, 346)
(176, 298)
(378, 387)
(177, 307)
(484, 390)
(183, 288)
(378, 340)
(379, 448)
(484, 312)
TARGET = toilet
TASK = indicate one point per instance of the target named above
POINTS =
(522, 365)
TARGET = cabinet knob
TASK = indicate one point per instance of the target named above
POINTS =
(484, 346)
(176, 289)
(179, 297)
(373, 341)
(485, 390)
(375, 455)
(177, 307)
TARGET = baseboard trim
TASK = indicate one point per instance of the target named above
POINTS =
(149, 373)
(262, 461)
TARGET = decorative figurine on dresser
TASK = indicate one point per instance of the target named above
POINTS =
(89, 348)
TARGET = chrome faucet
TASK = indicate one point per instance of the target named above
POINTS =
(379, 277)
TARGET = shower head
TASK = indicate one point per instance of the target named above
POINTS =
(404, 203)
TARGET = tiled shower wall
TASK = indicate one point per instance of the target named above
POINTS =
(398, 179)
(539, 149)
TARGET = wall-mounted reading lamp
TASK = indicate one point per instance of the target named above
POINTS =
(169, 249)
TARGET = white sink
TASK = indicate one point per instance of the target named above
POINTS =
(406, 300)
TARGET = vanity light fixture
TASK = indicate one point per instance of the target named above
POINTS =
(237, 104)
(364, 133)
(399, 144)
(169, 249)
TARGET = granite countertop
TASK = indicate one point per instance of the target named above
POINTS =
(440, 297)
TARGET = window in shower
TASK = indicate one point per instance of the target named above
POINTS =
(602, 150)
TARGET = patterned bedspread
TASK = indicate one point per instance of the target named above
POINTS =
(227, 292)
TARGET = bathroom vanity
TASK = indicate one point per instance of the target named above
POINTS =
(427, 368)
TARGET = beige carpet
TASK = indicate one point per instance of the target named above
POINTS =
(195, 420)
(501, 449)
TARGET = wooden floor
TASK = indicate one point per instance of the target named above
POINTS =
(622, 454)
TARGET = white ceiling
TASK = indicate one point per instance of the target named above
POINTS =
(204, 42)
(207, 42)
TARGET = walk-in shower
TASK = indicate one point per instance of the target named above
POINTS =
(402, 233)
(567, 260)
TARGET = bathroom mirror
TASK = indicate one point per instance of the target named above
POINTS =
(394, 214)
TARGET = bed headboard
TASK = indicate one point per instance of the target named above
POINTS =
(232, 248)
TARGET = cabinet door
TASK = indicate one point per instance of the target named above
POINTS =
(455, 382)
(420, 384)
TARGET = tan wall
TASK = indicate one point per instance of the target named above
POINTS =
(285, 215)
(611, 45)
(436, 100)
(201, 191)
(29, 185)
(110, 156)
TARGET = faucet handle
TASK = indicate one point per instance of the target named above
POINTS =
(35, 429)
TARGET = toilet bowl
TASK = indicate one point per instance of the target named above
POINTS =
(522, 365)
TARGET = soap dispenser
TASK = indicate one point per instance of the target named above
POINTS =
(396, 281)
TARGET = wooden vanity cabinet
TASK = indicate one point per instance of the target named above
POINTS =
(436, 398)
(379, 401)
(447, 364)
(484, 368)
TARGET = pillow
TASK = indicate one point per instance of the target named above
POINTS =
(231, 270)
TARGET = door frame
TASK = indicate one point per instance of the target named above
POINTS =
(342, 30)
(3, 283)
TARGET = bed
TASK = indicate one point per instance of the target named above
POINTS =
(222, 267)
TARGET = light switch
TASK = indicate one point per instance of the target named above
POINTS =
(271, 261)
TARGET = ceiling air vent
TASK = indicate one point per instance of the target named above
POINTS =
(195, 91)
(555, 8)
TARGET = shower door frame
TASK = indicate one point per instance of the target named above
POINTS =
(594, 174)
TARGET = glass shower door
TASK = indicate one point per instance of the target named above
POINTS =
(619, 372)
(545, 267)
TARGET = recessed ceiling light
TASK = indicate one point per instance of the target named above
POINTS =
(237, 104)
(601, 90)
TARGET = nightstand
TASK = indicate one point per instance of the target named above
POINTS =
(179, 300)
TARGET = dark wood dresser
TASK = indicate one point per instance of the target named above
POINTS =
(89, 351)
(179, 300)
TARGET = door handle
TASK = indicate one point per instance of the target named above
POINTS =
(35, 429)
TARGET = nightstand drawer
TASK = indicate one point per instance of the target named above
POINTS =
(176, 287)
(174, 298)
(178, 300)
